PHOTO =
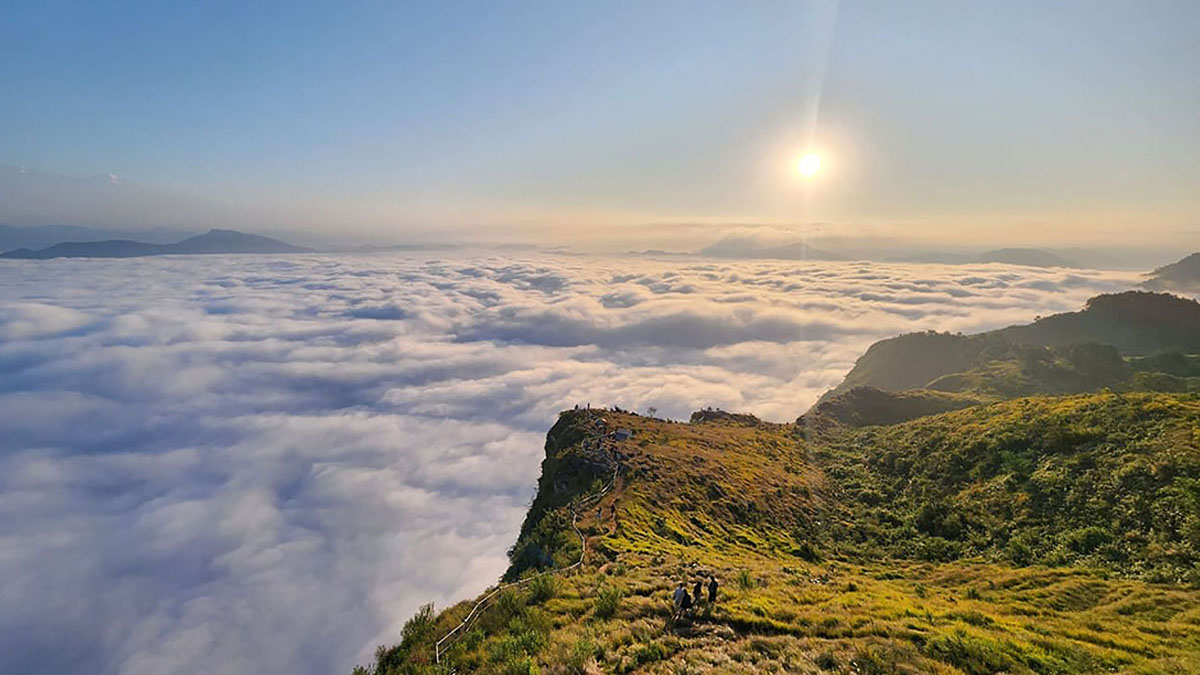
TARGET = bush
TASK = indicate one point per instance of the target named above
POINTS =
(936, 549)
(973, 655)
(582, 653)
(806, 551)
(745, 580)
(521, 665)
(419, 628)
(649, 652)
(542, 588)
(608, 598)
(1019, 551)
(509, 604)
(1088, 539)
(870, 660)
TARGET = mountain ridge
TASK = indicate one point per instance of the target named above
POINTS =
(964, 542)
(36, 237)
(1016, 515)
(1183, 275)
(215, 241)
(1050, 355)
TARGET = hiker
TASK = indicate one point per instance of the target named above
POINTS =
(698, 591)
(677, 600)
(712, 589)
(685, 605)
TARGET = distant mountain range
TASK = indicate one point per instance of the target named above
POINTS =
(751, 248)
(739, 247)
(1030, 257)
(213, 241)
(1179, 276)
(43, 236)
(743, 247)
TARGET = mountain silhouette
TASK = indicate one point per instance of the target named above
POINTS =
(1058, 354)
(37, 237)
(1029, 257)
(1178, 276)
(212, 242)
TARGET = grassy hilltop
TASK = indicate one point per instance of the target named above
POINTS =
(1126, 341)
(1041, 535)
(1024, 501)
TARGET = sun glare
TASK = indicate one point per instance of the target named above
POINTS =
(808, 165)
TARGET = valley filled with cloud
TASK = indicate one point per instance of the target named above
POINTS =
(232, 464)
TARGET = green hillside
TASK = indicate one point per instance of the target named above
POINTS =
(1105, 480)
(1073, 352)
(1183, 275)
(868, 406)
(1038, 535)
(1135, 322)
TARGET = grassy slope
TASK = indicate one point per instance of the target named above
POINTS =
(809, 543)
(1073, 352)
(1104, 479)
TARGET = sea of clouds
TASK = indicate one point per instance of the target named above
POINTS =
(265, 464)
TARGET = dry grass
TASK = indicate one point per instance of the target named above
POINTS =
(740, 501)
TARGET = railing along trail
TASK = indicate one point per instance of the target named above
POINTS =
(576, 508)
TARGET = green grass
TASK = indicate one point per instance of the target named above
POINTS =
(977, 541)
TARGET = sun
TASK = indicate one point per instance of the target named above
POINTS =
(808, 165)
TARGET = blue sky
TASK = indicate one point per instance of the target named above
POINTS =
(953, 117)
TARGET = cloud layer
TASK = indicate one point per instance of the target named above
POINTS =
(251, 464)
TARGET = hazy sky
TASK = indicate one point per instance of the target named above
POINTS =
(1016, 122)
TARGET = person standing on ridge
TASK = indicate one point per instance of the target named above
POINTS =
(698, 591)
(677, 600)
(712, 589)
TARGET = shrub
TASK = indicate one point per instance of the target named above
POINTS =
(973, 655)
(1019, 552)
(419, 628)
(582, 653)
(509, 604)
(542, 588)
(520, 665)
(1088, 539)
(806, 551)
(608, 598)
(745, 580)
(870, 660)
(649, 652)
(936, 549)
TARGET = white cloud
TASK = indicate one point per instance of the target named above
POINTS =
(239, 464)
(21, 320)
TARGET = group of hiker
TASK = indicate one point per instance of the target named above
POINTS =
(686, 604)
